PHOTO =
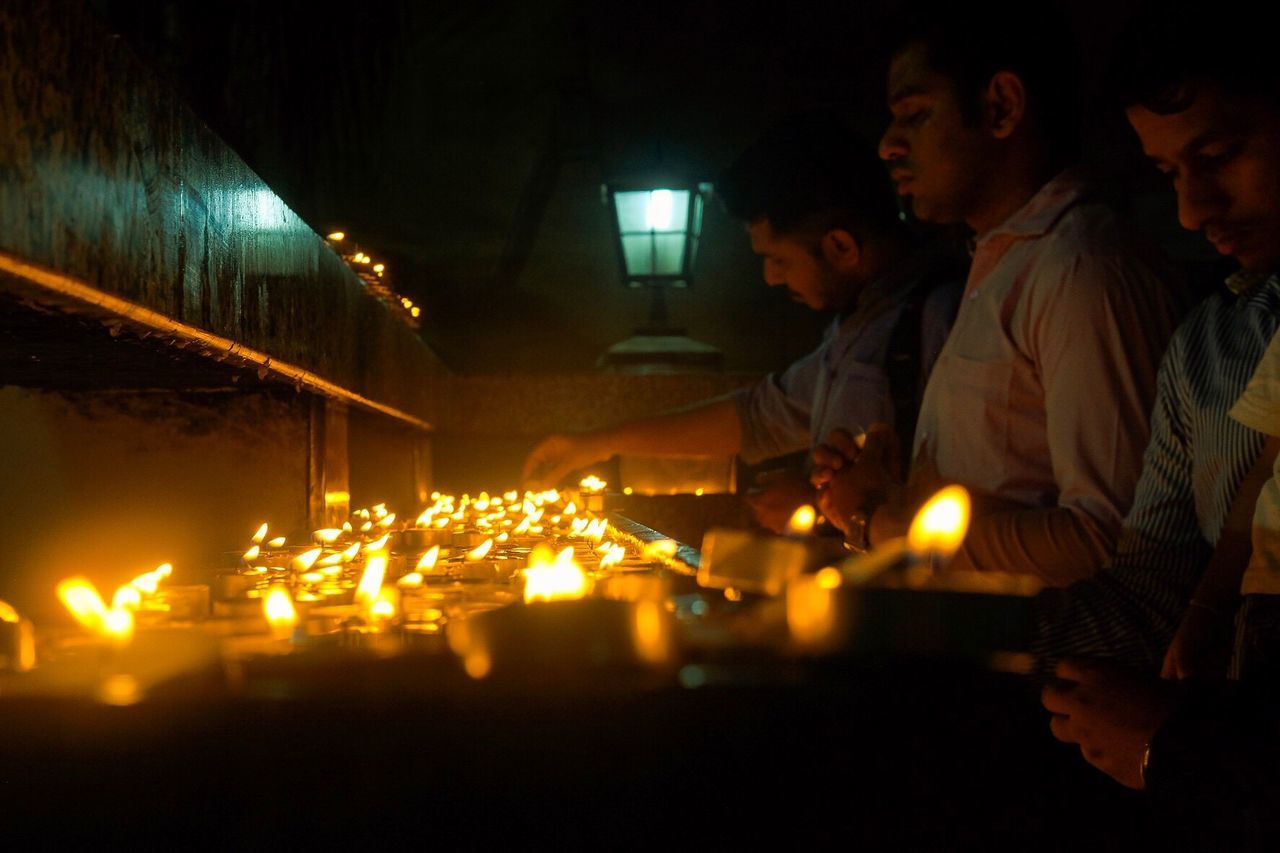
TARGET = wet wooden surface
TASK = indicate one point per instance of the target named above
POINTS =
(108, 178)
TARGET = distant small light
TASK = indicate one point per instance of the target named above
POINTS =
(379, 267)
(699, 491)
(698, 608)
(733, 594)
(337, 236)
(415, 311)
(628, 490)
(692, 676)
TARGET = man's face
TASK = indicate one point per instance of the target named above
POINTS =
(796, 264)
(936, 159)
(1223, 154)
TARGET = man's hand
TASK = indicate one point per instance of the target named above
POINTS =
(1110, 711)
(777, 496)
(557, 455)
(851, 479)
(1202, 646)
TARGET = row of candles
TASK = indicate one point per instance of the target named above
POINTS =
(545, 543)
(375, 275)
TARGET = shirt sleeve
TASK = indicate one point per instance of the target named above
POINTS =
(776, 411)
(1259, 406)
(1130, 610)
(1096, 332)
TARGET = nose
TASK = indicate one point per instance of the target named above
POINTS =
(893, 146)
(1200, 200)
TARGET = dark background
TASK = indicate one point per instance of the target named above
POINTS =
(465, 144)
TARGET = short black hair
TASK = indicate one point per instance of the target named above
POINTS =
(810, 171)
(1170, 48)
(970, 43)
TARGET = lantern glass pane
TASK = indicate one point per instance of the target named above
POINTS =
(653, 254)
(658, 210)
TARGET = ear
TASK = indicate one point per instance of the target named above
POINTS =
(1006, 104)
(840, 249)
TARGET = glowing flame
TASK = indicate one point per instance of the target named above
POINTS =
(480, 551)
(350, 553)
(384, 607)
(592, 483)
(595, 530)
(614, 555)
(127, 597)
(378, 544)
(304, 561)
(387, 520)
(279, 609)
(333, 559)
(552, 577)
(413, 580)
(428, 560)
(375, 569)
(940, 525)
(7, 613)
(570, 508)
(260, 535)
(503, 537)
(828, 578)
(118, 625)
(425, 519)
(337, 236)
(278, 542)
(663, 549)
(578, 525)
(252, 554)
(81, 598)
(440, 523)
(510, 496)
(327, 535)
(802, 521)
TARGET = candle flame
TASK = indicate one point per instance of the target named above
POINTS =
(428, 560)
(7, 613)
(384, 607)
(440, 523)
(260, 535)
(612, 556)
(829, 578)
(127, 597)
(570, 508)
(662, 549)
(327, 535)
(350, 553)
(802, 521)
(80, 596)
(387, 520)
(304, 561)
(940, 525)
(278, 608)
(553, 577)
(592, 483)
(413, 580)
(480, 551)
(278, 542)
(378, 544)
(375, 569)
(252, 554)
(118, 625)
(425, 519)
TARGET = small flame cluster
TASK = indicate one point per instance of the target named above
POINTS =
(376, 277)
(115, 623)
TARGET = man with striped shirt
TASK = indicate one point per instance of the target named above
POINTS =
(1211, 120)
(1204, 100)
